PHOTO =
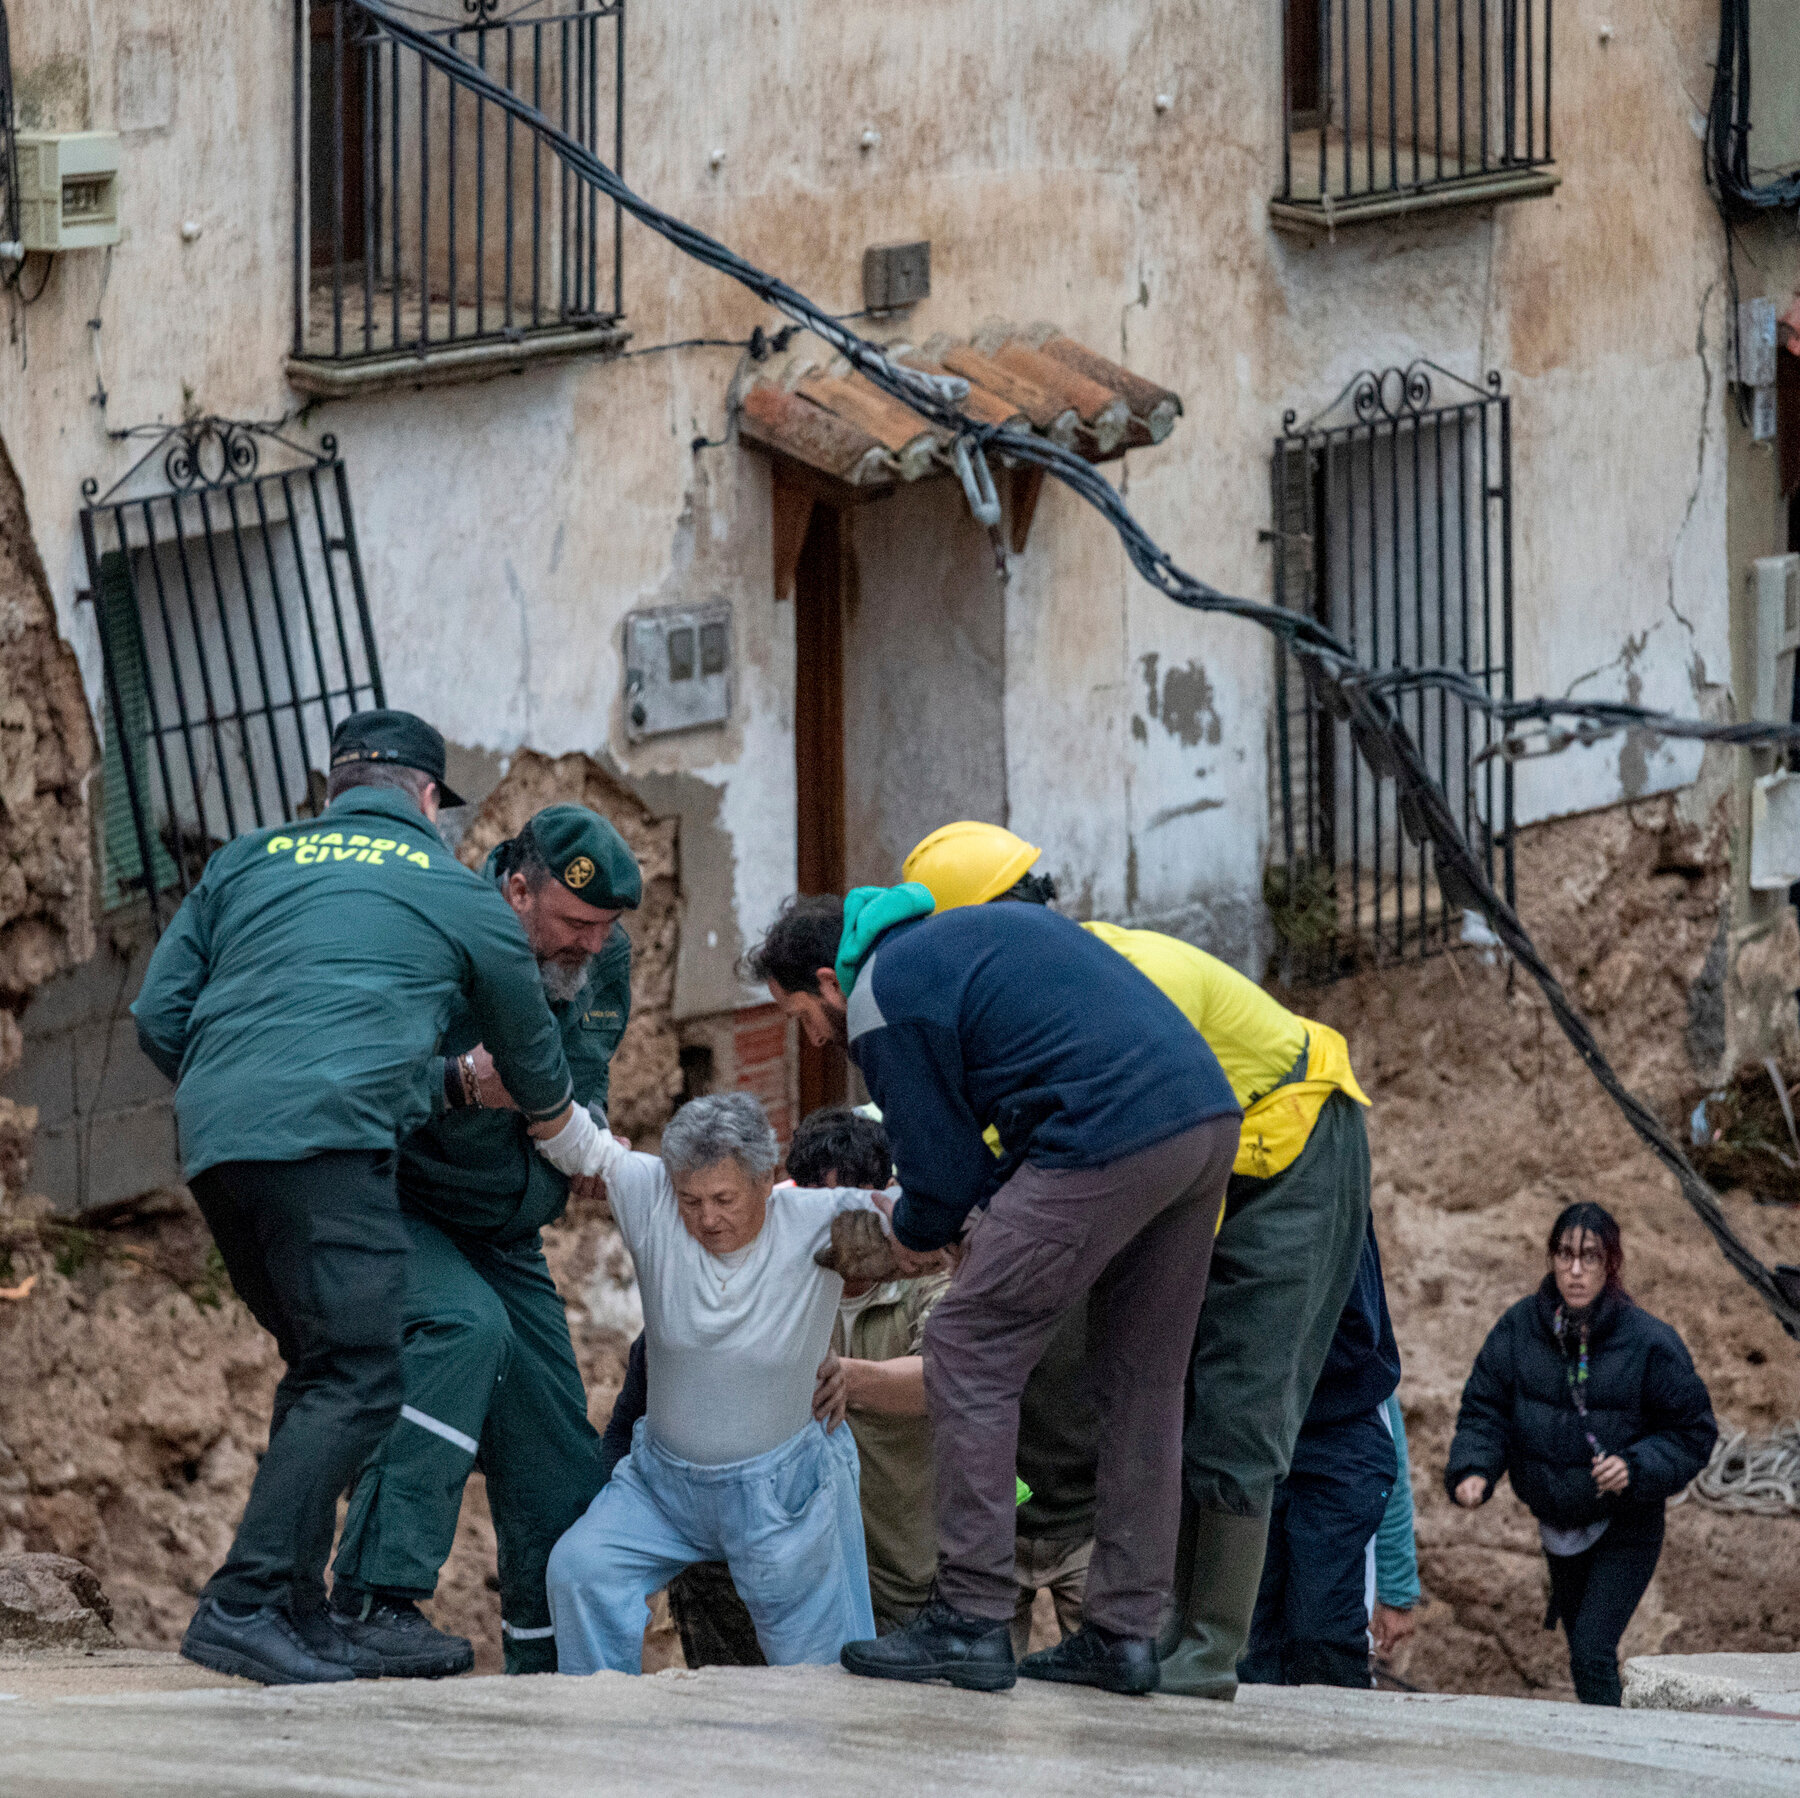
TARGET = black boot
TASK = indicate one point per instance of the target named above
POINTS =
(394, 1638)
(265, 1645)
(1097, 1657)
(939, 1643)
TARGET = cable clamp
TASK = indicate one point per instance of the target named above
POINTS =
(977, 482)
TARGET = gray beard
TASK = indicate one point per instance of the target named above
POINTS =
(561, 984)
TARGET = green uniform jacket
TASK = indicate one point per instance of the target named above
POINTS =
(298, 995)
(477, 1172)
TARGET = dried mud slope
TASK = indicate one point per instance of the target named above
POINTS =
(1484, 1125)
(136, 1399)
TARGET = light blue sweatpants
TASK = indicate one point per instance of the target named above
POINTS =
(788, 1523)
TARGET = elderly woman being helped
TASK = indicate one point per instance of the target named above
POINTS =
(728, 1463)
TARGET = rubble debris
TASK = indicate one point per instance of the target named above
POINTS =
(1740, 1139)
(51, 1601)
(47, 750)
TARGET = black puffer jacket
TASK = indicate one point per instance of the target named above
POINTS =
(1644, 1400)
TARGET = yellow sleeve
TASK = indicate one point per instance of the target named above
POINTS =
(1256, 1038)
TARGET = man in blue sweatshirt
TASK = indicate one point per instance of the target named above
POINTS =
(1118, 1132)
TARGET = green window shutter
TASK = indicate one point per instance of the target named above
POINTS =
(122, 643)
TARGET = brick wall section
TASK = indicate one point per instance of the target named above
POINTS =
(761, 1064)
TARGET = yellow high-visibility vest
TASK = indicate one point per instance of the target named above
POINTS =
(1280, 1124)
(1257, 1041)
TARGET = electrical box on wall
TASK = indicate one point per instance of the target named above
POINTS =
(896, 275)
(677, 668)
(68, 189)
(1775, 599)
(1775, 833)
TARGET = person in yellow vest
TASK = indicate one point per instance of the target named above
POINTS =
(1289, 1242)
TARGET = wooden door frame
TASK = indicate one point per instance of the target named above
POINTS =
(819, 586)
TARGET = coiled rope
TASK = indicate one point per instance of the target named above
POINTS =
(1357, 694)
(1761, 1477)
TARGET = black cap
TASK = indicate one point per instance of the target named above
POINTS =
(397, 738)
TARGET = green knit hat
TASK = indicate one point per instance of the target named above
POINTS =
(589, 857)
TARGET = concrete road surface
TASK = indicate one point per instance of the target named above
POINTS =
(817, 1733)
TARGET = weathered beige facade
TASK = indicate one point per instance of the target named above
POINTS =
(1105, 164)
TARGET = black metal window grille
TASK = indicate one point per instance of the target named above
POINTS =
(9, 150)
(425, 222)
(1385, 99)
(235, 633)
(1393, 527)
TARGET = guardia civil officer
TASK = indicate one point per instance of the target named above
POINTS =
(491, 1378)
(296, 1000)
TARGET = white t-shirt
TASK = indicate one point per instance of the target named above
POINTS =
(734, 1341)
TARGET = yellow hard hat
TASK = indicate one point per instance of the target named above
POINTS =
(968, 863)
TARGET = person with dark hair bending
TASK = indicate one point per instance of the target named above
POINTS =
(1119, 1131)
(1593, 1409)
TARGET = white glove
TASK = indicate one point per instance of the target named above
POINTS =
(579, 1148)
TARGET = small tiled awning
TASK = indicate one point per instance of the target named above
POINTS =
(815, 411)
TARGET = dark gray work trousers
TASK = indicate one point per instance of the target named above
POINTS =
(1135, 1234)
(316, 1250)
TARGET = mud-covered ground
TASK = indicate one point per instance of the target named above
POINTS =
(136, 1390)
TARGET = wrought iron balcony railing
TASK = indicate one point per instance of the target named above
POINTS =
(1393, 106)
(433, 233)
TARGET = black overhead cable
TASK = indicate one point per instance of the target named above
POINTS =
(1348, 689)
(1728, 126)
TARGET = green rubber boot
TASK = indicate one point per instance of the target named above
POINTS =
(1218, 1568)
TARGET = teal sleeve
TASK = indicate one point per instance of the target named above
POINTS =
(1396, 1551)
(511, 1013)
(172, 983)
(439, 1105)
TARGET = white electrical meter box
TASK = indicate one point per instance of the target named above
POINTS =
(1756, 343)
(68, 189)
(1775, 832)
(677, 668)
(1775, 597)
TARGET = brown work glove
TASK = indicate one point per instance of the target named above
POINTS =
(860, 1249)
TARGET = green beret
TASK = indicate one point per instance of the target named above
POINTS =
(589, 857)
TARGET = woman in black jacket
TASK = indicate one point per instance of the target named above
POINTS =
(1592, 1407)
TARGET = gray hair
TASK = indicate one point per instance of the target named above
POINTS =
(720, 1125)
(346, 775)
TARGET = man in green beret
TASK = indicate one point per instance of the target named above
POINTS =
(296, 999)
(491, 1379)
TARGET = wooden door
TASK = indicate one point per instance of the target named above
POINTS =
(819, 751)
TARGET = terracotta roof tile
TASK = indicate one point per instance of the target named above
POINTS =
(816, 411)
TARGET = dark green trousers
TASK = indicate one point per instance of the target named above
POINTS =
(1282, 1269)
(491, 1382)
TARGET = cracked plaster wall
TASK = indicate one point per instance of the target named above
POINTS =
(509, 527)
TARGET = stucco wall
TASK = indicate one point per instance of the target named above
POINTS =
(508, 527)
